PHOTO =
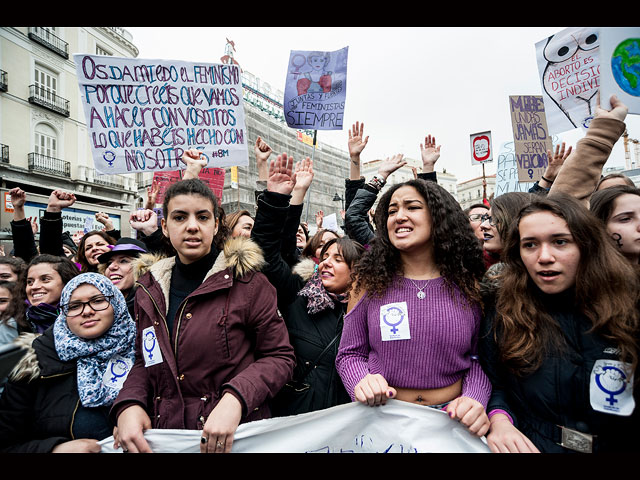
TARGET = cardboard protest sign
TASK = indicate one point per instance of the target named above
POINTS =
(213, 177)
(316, 89)
(143, 114)
(569, 67)
(507, 172)
(481, 148)
(620, 66)
(530, 135)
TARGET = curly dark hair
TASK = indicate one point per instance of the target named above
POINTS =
(457, 252)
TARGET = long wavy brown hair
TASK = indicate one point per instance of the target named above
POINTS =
(606, 291)
(457, 252)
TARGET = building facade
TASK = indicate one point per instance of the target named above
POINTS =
(446, 180)
(44, 142)
(472, 191)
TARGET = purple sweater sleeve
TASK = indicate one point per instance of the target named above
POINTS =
(352, 360)
(476, 384)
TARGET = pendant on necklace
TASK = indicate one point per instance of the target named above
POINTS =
(421, 295)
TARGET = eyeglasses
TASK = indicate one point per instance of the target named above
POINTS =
(74, 309)
(486, 217)
(476, 217)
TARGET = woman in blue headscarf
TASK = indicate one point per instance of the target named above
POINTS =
(59, 395)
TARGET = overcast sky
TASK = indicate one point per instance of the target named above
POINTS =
(402, 82)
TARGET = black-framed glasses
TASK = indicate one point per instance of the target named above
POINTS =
(73, 309)
(486, 217)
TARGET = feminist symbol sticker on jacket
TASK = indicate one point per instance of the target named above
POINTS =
(150, 348)
(610, 391)
(394, 321)
(116, 373)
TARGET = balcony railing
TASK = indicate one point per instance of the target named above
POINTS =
(4, 153)
(121, 182)
(4, 83)
(52, 42)
(46, 98)
(44, 164)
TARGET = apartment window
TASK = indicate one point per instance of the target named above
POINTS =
(46, 142)
(46, 83)
(102, 51)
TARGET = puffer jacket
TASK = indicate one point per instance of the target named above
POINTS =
(40, 403)
(228, 336)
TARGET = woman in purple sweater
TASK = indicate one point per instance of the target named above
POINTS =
(414, 312)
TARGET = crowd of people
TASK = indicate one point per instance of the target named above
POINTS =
(518, 317)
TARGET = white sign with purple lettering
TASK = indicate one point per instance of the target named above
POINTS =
(143, 114)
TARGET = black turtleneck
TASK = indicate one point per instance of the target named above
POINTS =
(185, 278)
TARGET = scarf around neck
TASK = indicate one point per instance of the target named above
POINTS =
(103, 363)
(318, 298)
(41, 316)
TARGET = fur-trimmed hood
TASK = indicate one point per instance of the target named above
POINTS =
(28, 367)
(305, 268)
(242, 255)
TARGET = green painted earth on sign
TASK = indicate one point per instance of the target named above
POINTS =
(625, 65)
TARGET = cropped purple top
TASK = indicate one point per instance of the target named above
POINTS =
(413, 342)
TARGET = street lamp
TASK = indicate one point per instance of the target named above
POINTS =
(338, 198)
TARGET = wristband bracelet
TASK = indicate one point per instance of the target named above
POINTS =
(377, 182)
(546, 180)
(498, 410)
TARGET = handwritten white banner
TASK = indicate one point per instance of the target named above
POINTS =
(143, 114)
(397, 427)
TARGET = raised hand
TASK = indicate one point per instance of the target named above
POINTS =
(145, 221)
(104, 219)
(152, 193)
(18, 197)
(303, 174)
(281, 179)
(357, 140)
(618, 109)
(390, 165)
(262, 151)
(429, 153)
(59, 199)
(556, 160)
(195, 161)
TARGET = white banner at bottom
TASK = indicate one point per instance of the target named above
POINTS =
(397, 427)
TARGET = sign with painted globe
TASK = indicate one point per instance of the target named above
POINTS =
(620, 66)
(625, 66)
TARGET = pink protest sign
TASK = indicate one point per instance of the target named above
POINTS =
(214, 177)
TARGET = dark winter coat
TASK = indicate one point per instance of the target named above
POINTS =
(309, 333)
(40, 405)
(558, 392)
(228, 336)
